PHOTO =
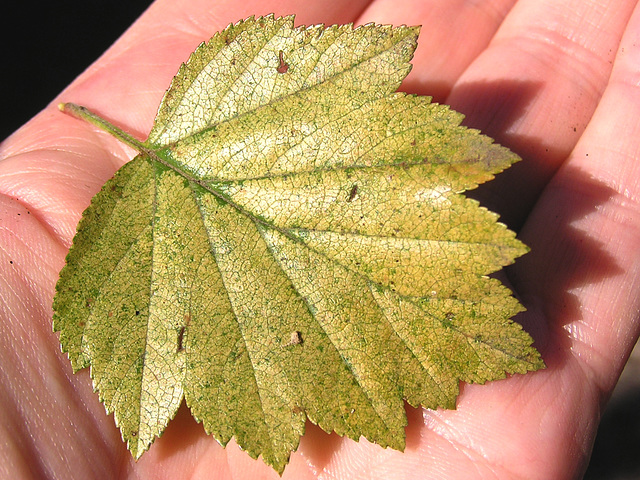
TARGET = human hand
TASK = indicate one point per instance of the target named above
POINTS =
(543, 78)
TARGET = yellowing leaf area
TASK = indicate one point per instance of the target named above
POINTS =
(292, 244)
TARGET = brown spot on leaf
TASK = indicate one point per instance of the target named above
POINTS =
(180, 346)
(283, 67)
(353, 192)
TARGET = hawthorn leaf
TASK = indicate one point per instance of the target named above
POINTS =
(292, 244)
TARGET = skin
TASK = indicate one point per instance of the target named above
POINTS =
(554, 80)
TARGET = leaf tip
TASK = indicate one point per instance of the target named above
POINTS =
(135, 447)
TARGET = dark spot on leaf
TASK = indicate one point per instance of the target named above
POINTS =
(180, 346)
(283, 67)
(448, 319)
(297, 409)
(353, 192)
(133, 434)
(89, 302)
(137, 312)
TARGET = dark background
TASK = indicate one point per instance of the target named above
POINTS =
(46, 45)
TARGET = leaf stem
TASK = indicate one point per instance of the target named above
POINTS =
(83, 113)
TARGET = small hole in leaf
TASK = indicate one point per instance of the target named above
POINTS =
(296, 338)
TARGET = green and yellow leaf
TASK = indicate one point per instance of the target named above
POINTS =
(292, 243)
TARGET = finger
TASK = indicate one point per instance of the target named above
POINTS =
(590, 213)
(536, 86)
(453, 34)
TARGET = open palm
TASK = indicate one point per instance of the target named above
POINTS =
(557, 82)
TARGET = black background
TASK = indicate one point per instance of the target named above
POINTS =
(47, 44)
